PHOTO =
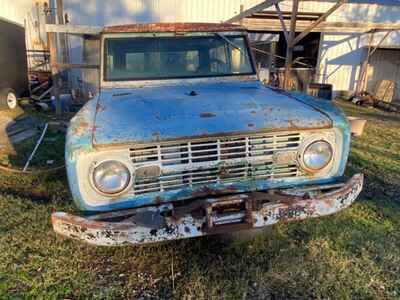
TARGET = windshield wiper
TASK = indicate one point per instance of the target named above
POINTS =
(230, 43)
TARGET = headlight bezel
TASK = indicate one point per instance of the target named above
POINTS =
(95, 187)
(305, 146)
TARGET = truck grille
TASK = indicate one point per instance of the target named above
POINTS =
(223, 160)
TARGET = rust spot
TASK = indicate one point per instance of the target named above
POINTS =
(270, 109)
(80, 128)
(158, 200)
(84, 109)
(207, 115)
(253, 112)
(223, 171)
(156, 135)
(157, 116)
(122, 94)
(292, 124)
(100, 108)
(173, 27)
(206, 191)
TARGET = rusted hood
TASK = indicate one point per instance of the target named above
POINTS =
(152, 114)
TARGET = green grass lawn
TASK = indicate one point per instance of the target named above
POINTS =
(354, 254)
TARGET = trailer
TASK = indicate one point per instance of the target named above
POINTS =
(13, 64)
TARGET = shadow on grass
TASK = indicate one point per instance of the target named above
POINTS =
(40, 188)
(368, 113)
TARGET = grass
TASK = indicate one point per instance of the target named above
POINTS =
(352, 255)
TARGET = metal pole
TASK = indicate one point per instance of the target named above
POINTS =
(36, 147)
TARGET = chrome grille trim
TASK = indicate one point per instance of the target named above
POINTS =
(214, 161)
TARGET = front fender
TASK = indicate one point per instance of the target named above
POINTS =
(79, 141)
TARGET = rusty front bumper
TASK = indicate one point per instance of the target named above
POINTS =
(208, 216)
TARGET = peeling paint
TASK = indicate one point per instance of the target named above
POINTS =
(166, 114)
(173, 27)
(258, 211)
(207, 115)
(219, 109)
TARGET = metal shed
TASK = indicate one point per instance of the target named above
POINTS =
(337, 33)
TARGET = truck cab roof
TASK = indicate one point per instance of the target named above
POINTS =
(173, 27)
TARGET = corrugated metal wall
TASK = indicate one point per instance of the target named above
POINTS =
(384, 65)
(106, 12)
(340, 54)
(15, 11)
(25, 14)
(340, 59)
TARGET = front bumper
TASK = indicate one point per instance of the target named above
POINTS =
(208, 216)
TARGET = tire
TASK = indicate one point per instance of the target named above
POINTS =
(8, 99)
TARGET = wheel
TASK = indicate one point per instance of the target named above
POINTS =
(8, 99)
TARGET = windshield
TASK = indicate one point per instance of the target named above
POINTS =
(176, 57)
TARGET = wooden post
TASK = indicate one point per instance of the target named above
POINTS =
(272, 57)
(364, 67)
(55, 72)
(285, 32)
(62, 36)
(364, 64)
(289, 50)
(241, 11)
(248, 12)
(64, 77)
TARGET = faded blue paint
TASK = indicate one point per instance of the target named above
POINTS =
(338, 118)
(152, 114)
(263, 107)
(79, 142)
(130, 201)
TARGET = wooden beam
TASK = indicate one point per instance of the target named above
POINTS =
(352, 27)
(278, 56)
(287, 14)
(319, 21)
(289, 50)
(285, 32)
(367, 26)
(74, 29)
(364, 67)
(254, 9)
(381, 42)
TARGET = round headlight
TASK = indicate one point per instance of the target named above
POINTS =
(317, 155)
(111, 177)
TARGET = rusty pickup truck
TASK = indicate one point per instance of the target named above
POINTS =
(183, 140)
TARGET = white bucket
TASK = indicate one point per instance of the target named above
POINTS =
(357, 125)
